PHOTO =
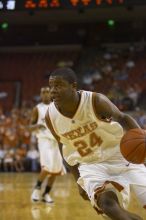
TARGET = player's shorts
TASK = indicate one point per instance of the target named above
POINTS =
(50, 157)
(116, 176)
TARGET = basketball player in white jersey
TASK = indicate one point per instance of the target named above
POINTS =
(90, 128)
(50, 157)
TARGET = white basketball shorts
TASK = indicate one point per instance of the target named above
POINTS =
(116, 175)
(50, 157)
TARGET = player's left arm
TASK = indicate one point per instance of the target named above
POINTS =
(106, 109)
(75, 171)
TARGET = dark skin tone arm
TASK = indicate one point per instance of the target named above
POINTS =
(106, 109)
(108, 201)
(33, 121)
(73, 169)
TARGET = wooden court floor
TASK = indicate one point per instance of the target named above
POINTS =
(15, 204)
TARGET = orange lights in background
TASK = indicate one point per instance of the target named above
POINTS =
(32, 4)
(55, 3)
(82, 2)
(97, 2)
(110, 2)
(74, 2)
(43, 4)
(86, 2)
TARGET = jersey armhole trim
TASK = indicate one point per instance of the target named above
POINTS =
(50, 126)
(93, 104)
(38, 114)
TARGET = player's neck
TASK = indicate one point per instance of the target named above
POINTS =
(46, 102)
(71, 106)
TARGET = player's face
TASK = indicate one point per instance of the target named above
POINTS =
(61, 90)
(45, 94)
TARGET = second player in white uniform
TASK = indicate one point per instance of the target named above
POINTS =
(50, 157)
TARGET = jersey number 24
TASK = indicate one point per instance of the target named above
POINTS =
(84, 148)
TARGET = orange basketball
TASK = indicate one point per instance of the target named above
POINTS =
(133, 145)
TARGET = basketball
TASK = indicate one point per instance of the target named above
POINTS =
(133, 145)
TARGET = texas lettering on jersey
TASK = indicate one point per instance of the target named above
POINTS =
(80, 131)
(81, 145)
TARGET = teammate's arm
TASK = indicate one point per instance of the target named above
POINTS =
(106, 109)
(33, 121)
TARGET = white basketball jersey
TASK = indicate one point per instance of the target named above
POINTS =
(43, 133)
(85, 138)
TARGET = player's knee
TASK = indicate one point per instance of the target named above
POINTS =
(107, 202)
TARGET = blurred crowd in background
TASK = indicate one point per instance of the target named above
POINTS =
(18, 147)
(119, 74)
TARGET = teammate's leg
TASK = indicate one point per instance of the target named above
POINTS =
(36, 194)
(46, 195)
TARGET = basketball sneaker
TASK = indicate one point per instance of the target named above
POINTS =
(47, 198)
(36, 195)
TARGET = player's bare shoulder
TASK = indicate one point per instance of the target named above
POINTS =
(102, 99)
(105, 108)
(102, 104)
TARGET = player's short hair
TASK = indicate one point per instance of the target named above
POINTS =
(66, 73)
